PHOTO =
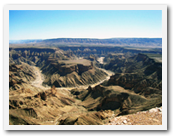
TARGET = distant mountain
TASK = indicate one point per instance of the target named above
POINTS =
(114, 41)
(24, 41)
(87, 41)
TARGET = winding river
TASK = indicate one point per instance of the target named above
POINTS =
(40, 78)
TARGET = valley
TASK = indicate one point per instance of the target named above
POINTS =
(82, 85)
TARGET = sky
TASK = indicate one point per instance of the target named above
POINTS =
(47, 24)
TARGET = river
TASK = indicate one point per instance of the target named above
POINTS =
(40, 78)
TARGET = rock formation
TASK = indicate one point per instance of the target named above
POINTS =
(141, 74)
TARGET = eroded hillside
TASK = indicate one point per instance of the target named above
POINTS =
(139, 73)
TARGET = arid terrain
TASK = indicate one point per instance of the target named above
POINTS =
(84, 85)
(150, 117)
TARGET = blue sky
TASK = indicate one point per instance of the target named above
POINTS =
(45, 24)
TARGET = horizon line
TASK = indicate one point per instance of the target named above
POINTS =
(84, 38)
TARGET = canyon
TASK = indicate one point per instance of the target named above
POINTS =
(55, 86)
